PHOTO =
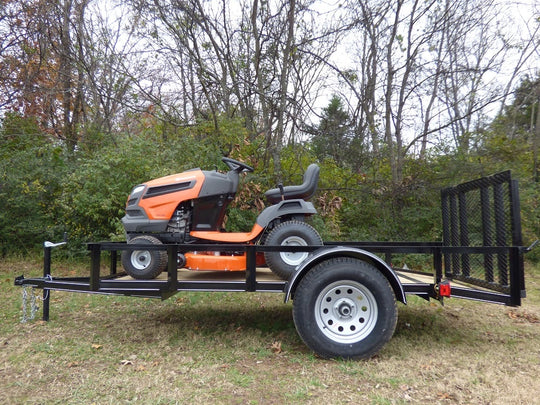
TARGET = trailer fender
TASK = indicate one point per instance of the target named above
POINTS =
(326, 253)
(283, 209)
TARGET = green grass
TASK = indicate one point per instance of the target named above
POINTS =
(243, 348)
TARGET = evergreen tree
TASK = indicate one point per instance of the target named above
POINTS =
(514, 135)
(332, 139)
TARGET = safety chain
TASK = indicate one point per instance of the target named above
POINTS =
(29, 298)
(33, 305)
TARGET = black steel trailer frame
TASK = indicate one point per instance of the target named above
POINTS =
(480, 257)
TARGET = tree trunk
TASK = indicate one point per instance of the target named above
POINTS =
(536, 141)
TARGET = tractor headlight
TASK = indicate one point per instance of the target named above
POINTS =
(135, 195)
(137, 190)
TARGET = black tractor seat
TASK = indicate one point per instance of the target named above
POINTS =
(303, 191)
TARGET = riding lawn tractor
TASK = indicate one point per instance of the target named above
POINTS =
(190, 207)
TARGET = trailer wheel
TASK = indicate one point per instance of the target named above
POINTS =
(144, 264)
(290, 233)
(345, 308)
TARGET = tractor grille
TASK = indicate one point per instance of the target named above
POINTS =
(169, 188)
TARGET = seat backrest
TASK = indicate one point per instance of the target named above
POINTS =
(310, 181)
(304, 191)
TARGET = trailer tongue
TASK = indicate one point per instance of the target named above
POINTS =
(344, 293)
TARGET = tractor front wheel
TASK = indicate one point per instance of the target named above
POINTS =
(144, 264)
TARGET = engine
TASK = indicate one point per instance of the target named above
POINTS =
(179, 226)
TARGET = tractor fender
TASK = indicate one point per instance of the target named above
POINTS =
(326, 253)
(283, 209)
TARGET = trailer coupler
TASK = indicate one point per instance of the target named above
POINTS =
(32, 282)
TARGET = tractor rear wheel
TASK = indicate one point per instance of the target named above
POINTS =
(144, 264)
(290, 233)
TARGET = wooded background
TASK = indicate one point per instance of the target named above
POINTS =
(394, 100)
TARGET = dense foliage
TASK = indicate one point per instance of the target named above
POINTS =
(47, 191)
(394, 100)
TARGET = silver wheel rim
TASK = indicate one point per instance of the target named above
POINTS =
(140, 259)
(346, 311)
(293, 258)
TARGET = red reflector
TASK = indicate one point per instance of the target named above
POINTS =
(444, 289)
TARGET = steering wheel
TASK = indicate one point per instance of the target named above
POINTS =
(237, 166)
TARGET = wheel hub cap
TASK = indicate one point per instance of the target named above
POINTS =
(344, 308)
(293, 258)
(346, 311)
(140, 259)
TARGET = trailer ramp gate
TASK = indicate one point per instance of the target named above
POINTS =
(482, 236)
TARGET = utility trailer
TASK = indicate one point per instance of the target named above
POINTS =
(345, 293)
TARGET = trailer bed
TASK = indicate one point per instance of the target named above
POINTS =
(261, 279)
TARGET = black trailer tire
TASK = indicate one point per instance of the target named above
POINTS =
(345, 308)
(144, 264)
(289, 233)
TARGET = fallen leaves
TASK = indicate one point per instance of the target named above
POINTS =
(138, 367)
(523, 316)
(445, 396)
(135, 364)
(276, 347)
(406, 392)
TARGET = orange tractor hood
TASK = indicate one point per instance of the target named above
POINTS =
(162, 195)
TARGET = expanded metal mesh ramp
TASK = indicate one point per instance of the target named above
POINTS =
(481, 221)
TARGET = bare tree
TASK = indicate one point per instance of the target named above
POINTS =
(426, 69)
(45, 79)
(415, 72)
(111, 64)
(390, 72)
(254, 60)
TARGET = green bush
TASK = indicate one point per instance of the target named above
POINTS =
(45, 191)
(94, 195)
(31, 174)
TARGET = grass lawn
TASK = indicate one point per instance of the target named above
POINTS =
(243, 348)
